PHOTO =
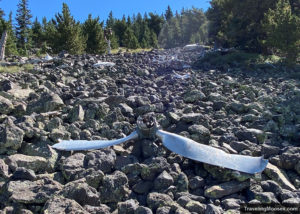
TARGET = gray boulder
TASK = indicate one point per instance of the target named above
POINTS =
(32, 192)
(6, 106)
(114, 187)
(59, 204)
(11, 138)
(103, 160)
(81, 192)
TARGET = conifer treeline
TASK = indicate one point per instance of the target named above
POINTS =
(63, 32)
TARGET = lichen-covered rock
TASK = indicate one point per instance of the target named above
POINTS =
(163, 181)
(11, 138)
(227, 188)
(279, 176)
(193, 96)
(266, 198)
(6, 106)
(103, 160)
(3, 169)
(182, 182)
(35, 163)
(200, 132)
(32, 192)
(47, 102)
(41, 149)
(114, 187)
(213, 209)
(142, 187)
(127, 207)
(81, 192)
(195, 206)
(143, 210)
(156, 200)
(154, 166)
(59, 204)
(76, 114)
(100, 209)
(72, 166)
(22, 173)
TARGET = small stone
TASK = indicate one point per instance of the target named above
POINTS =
(11, 138)
(193, 96)
(127, 207)
(279, 176)
(58, 204)
(213, 209)
(156, 200)
(6, 106)
(81, 192)
(3, 169)
(266, 197)
(196, 182)
(202, 133)
(35, 163)
(72, 166)
(195, 206)
(224, 189)
(182, 182)
(163, 181)
(114, 187)
(22, 173)
(103, 160)
(231, 203)
(100, 209)
(76, 114)
(143, 210)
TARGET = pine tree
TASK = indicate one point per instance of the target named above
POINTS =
(119, 28)
(283, 30)
(110, 22)
(11, 43)
(155, 23)
(129, 39)
(93, 30)
(23, 27)
(37, 34)
(169, 13)
(68, 35)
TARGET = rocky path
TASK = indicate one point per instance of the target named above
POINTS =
(252, 113)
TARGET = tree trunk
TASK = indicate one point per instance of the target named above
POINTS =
(2, 45)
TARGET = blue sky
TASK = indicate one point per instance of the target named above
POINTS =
(80, 9)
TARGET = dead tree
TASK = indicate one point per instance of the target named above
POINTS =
(2, 45)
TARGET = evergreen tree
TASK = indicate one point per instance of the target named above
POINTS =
(129, 39)
(110, 22)
(68, 34)
(93, 30)
(37, 34)
(49, 35)
(155, 23)
(11, 43)
(169, 13)
(283, 30)
(23, 27)
(119, 28)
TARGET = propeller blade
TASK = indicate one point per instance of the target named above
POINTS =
(207, 154)
(75, 145)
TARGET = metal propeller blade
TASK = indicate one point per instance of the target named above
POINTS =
(207, 154)
(75, 145)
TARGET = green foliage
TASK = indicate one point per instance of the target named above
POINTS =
(283, 30)
(93, 30)
(237, 59)
(23, 27)
(11, 43)
(189, 26)
(129, 39)
(169, 13)
(68, 34)
(37, 34)
(15, 69)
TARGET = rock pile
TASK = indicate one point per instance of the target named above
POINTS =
(70, 98)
